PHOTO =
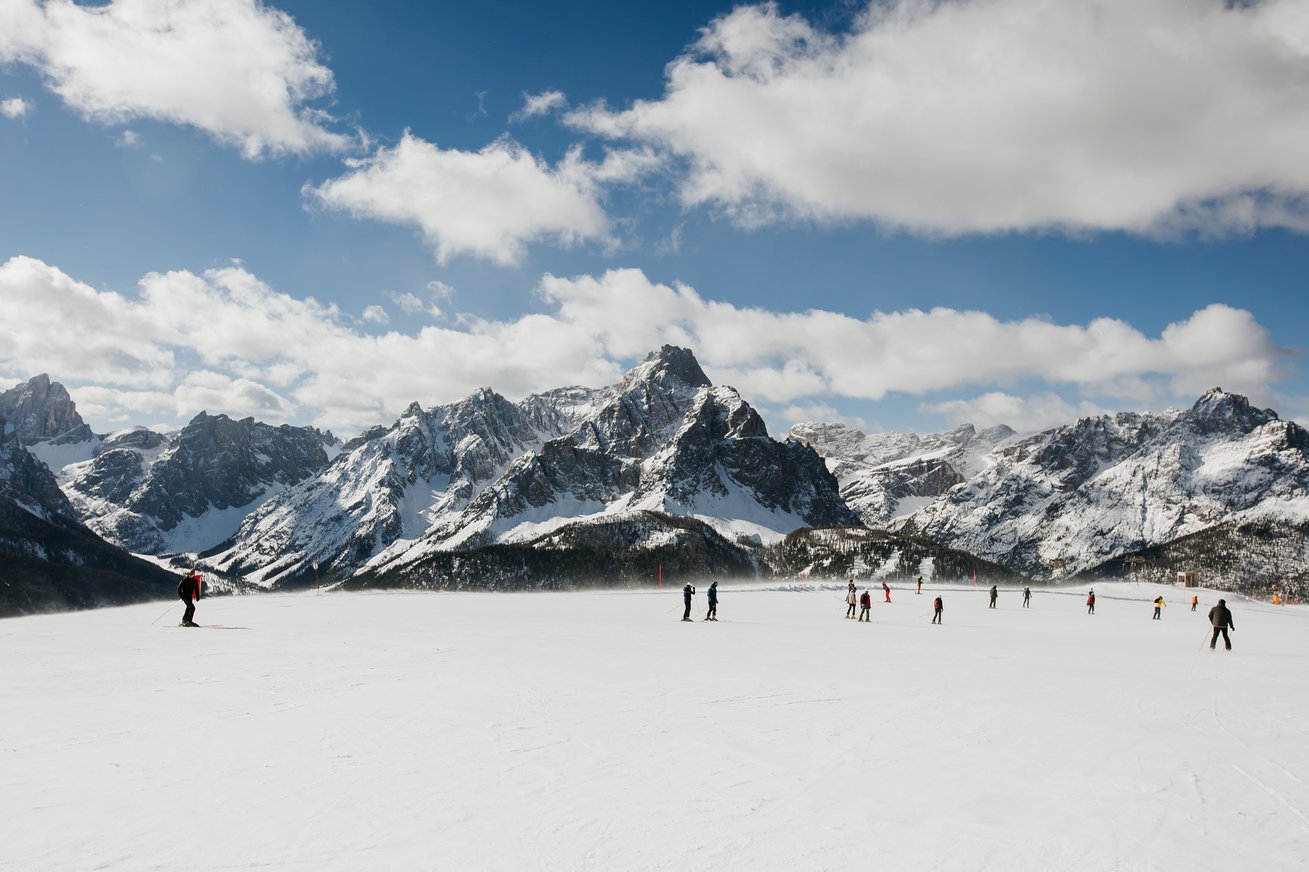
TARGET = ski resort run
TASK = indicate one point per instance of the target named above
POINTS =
(596, 731)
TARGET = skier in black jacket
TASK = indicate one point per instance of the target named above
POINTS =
(188, 592)
(1221, 618)
(712, 596)
(937, 605)
(687, 593)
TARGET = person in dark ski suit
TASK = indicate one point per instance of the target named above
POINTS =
(687, 593)
(850, 599)
(920, 584)
(1027, 597)
(865, 604)
(712, 596)
(1221, 618)
(995, 593)
(936, 610)
(1090, 603)
(1158, 607)
(188, 592)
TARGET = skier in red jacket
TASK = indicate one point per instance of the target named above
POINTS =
(1090, 603)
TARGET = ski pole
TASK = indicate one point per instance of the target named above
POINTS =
(156, 620)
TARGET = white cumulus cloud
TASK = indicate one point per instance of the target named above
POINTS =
(983, 116)
(243, 72)
(540, 104)
(487, 204)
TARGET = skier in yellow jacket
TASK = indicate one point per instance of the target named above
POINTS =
(1158, 607)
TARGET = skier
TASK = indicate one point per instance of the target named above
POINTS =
(188, 592)
(687, 593)
(1090, 603)
(1158, 606)
(920, 585)
(850, 599)
(1027, 597)
(1221, 618)
(865, 604)
(886, 590)
(712, 596)
(995, 593)
(936, 610)
(1195, 601)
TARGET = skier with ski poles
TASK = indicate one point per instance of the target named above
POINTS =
(188, 591)
(1220, 617)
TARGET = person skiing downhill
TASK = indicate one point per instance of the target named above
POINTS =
(865, 604)
(188, 592)
(1027, 597)
(1221, 618)
(886, 589)
(936, 610)
(712, 596)
(995, 593)
(687, 593)
(850, 599)
(1090, 603)
(1158, 606)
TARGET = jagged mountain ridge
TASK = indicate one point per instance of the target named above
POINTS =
(40, 409)
(487, 471)
(156, 493)
(1074, 498)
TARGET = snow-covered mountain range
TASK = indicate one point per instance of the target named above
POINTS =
(665, 468)
(1077, 497)
(485, 471)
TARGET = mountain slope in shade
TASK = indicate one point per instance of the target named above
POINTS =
(487, 471)
(48, 560)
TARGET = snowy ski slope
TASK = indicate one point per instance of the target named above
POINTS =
(594, 731)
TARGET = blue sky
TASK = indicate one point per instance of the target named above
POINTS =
(902, 215)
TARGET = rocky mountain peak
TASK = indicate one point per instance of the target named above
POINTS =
(1218, 411)
(41, 409)
(671, 366)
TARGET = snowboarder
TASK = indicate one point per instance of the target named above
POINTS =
(1090, 603)
(850, 599)
(886, 589)
(188, 592)
(995, 593)
(712, 596)
(865, 604)
(920, 585)
(936, 610)
(1158, 607)
(1027, 597)
(687, 593)
(1221, 619)
(1195, 601)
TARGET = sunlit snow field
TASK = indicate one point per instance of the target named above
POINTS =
(595, 731)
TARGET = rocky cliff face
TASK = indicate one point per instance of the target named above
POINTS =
(890, 475)
(39, 410)
(487, 471)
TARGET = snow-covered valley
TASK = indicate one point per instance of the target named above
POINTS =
(595, 731)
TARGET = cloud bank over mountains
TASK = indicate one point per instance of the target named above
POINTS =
(227, 342)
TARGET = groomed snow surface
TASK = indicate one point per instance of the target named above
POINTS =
(595, 731)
